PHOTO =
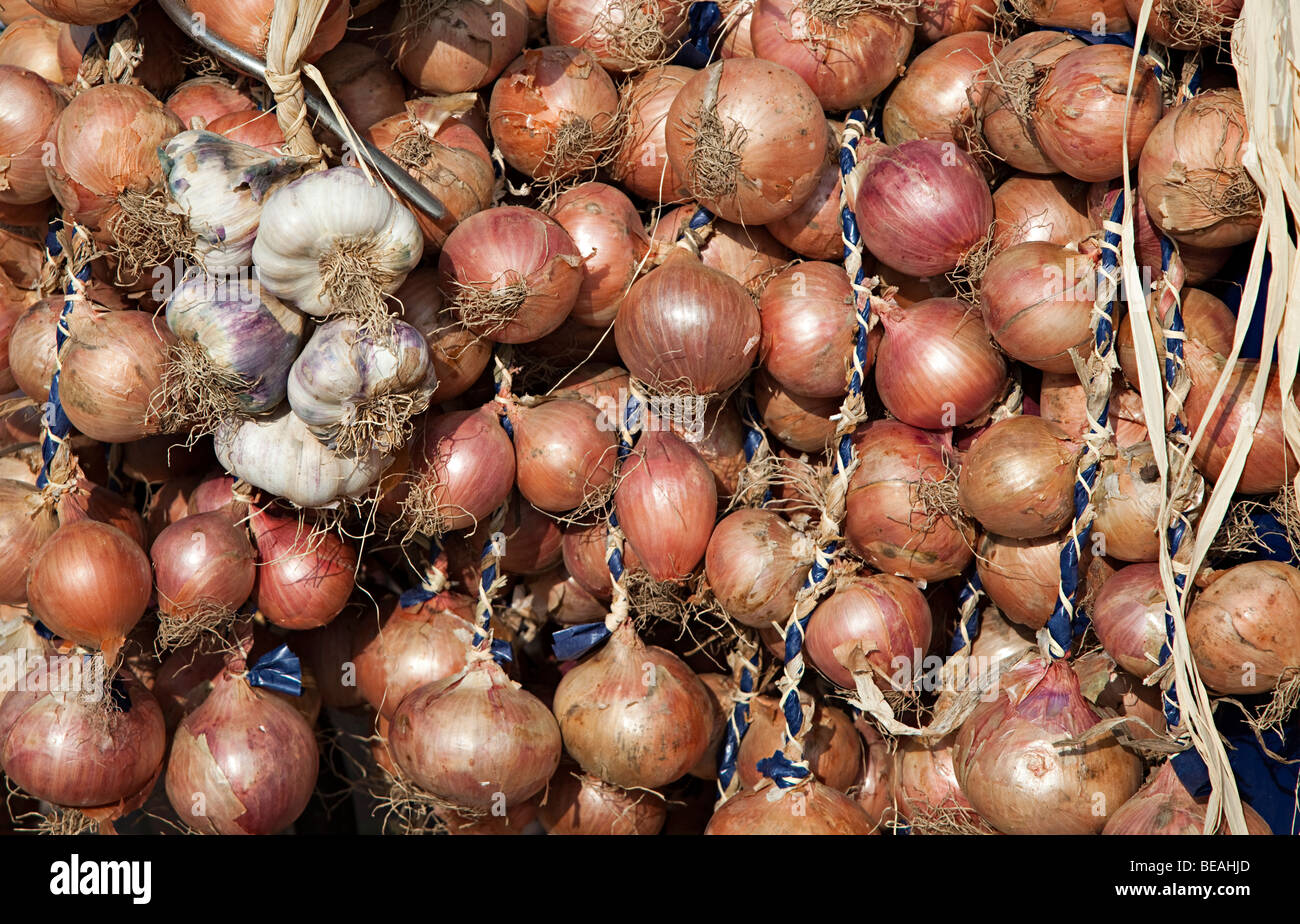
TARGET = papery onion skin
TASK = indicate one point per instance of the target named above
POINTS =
(1053, 209)
(748, 254)
(304, 575)
(1018, 478)
(609, 234)
(584, 804)
(810, 808)
(27, 129)
(809, 327)
(798, 421)
(1005, 109)
(1023, 576)
(926, 789)
(563, 453)
(1037, 301)
(458, 356)
(202, 560)
(641, 164)
(1164, 806)
(85, 500)
(1128, 500)
(1188, 26)
(1244, 629)
(459, 46)
(939, 18)
(25, 525)
(883, 617)
(1206, 319)
(533, 540)
(1200, 264)
(81, 12)
(755, 563)
(1128, 615)
(813, 229)
(466, 486)
(256, 129)
(941, 89)
(41, 45)
(1076, 14)
(31, 347)
(247, 24)
(831, 745)
(202, 100)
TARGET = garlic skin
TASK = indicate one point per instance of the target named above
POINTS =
(331, 238)
(221, 186)
(245, 331)
(344, 373)
(279, 455)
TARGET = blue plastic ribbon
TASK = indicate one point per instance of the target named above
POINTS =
(573, 642)
(42, 630)
(779, 769)
(278, 670)
(704, 19)
(968, 631)
(414, 597)
(56, 425)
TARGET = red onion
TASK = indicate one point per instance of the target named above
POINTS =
(1244, 629)
(1015, 774)
(926, 789)
(1164, 806)
(1023, 576)
(878, 616)
(641, 164)
(923, 207)
(1037, 300)
(579, 803)
(940, 93)
(219, 491)
(44, 46)
(457, 355)
(718, 439)
(1128, 615)
(1018, 478)
(1206, 319)
(27, 128)
(749, 139)
(611, 238)
(533, 540)
(808, 808)
(831, 745)
(939, 18)
(632, 714)
(202, 100)
(1187, 26)
(874, 792)
(463, 466)
(564, 601)
(584, 558)
(749, 255)
(1008, 103)
(459, 45)
(1052, 209)
(564, 453)
(756, 563)
(936, 367)
(413, 646)
(622, 35)
(809, 329)
(897, 517)
(515, 273)
(304, 575)
(85, 500)
(25, 525)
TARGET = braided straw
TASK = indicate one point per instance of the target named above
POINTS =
(293, 26)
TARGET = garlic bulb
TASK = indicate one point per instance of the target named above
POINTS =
(356, 389)
(333, 243)
(221, 185)
(279, 455)
(237, 342)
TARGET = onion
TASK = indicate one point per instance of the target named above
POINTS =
(1270, 462)
(1051, 209)
(85, 500)
(685, 326)
(749, 255)
(515, 272)
(533, 540)
(304, 575)
(1128, 615)
(326, 651)
(414, 646)
(552, 113)
(1018, 478)
(244, 762)
(67, 749)
(1023, 576)
(1244, 629)
(940, 93)
(27, 128)
(634, 715)
(874, 792)
(475, 738)
(926, 790)
(611, 238)
(749, 139)
(939, 18)
(365, 85)
(718, 438)
(247, 24)
(256, 129)
(755, 564)
(564, 453)
(584, 558)
(641, 164)
(1008, 103)
(1200, 264)
(1206, 319)
(923, 207)
(1164, 806)
(798, 421)
(81, 12)
(936, 366)
(563, 600)
(459, 45)
(31, 348)
(622, 35)
(830, 743)
(1076, 14)
(203, 100)
(463, 466)
(809, 325)
(219, 491)
(807, 808)
(878, 616)
(112, 366)
(21, 259)
(666, 503)
(1128, 502)
(1037, 300)
(1063, 401)
(738, 16)
(1187, 26)
(168, 504)
(202, 563)
(813, 229)
(897, 518)
(44, 46)
(1191, 176)
(579, 803)
(458, 357)
(1013, 772)
(722, 690)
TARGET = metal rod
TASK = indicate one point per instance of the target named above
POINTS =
(241, 60)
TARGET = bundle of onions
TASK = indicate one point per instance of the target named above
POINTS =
(1075, 14)
(25, 524)
(1023, 576)
(1206, 319)
(926, 790)
(366, 87)
(413, 646)
(666, 503)
(459, 45)
(438, 147)
(1018, 478)
(755, 564)
(1200, 264)
(202, 100)
(304, 575)
(629, 695)
(809, 325)
(901, 512)
(1187, 26)
(1128, 502)
(1164, 806)
(806, 808)
(1005, 111)
(1037, 300)
(43, 46)
(923, 207)
(1016, 776)
(641, 164)
(1191, 177)
(244, 762)
(936, 366)
(462, 469)
(204, 571)
(1244, 629)
(622, 35)
(830, 744)
(456, 355)
(749, 255)
(748, 137)
(878, 619)
(1270, 462)
(1128, 615)
(474, 737)
(27, 128)
(64, 747)
(515, 273)
(813, 229)
(564, 456)
(939, 18)
(256, 129)
(941, 91)
(247, 24)
(612, 240)
(552, 113)
(686, 327)
(90, 583)
(579, 803)
(1051, 209)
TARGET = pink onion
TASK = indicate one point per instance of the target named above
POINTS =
(878, 616)
(1244, 629)
(756, 562)
(1018, 478)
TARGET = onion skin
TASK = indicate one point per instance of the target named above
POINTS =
(666, 503)
(246, 757)
(367, 87)
(809, 325)
(882, 616)
(1037, 301)
(1206, 319)
(458, 357)
(584, 558)
(256, 129)
(533, 541)
(1018, 478)
(1200, 264)
(926, 789)
(200, 561)
(597, 29)
(809, 808)
(722, 689)
(44, 46)
(634, 715)
(939, 18)
(1051, 209)
(475, 737)
(813, 229)
(1008, 132)
(1128, 615)
(1023, 576)
(1186, 27)
(755, 563)
(203, 100)
(1010, 769)
(886, 522)
(1164, 806)
(612, 240)
(1128, 505)
(940, 90)
(563, 452)
(466, 486)
(584, 804)
(325, 651)
(247, 24)
(641, 164)
(462, 45)
(748, 254)
(798, 421)
(25, 525)
(1244, 629)
(1077, 14)
(27, 126)
(721, 444)
(831, 745)
(304, 576)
